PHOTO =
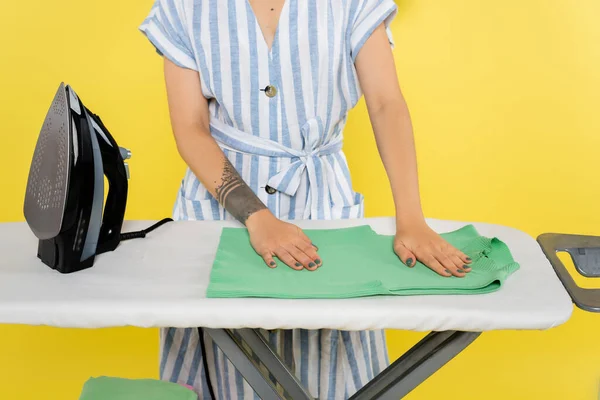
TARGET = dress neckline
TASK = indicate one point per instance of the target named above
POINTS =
(260, 28)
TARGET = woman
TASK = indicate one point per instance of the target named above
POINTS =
(258, 94)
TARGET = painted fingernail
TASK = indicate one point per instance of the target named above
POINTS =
(311, 264)
(468, 258)
(298, 264)
(460, 270)
(447, 271)
(272, 263)
(318, 261)
(466, 267)
(409, 262)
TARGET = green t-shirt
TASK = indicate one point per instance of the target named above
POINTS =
(109, 388)
(356, 262)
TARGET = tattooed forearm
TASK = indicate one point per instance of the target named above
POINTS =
(236, 196)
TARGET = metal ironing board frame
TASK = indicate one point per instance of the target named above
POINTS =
(396, 381)
(248, 350)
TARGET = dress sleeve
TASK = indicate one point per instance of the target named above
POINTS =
(166, 28)
(369, 15)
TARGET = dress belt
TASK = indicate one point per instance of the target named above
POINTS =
(308, 160)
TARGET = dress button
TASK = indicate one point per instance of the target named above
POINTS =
(271, 91)
(269, 189)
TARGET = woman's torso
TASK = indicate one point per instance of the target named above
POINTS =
(313, 84)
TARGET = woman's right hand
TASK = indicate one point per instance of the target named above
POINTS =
(271, 237)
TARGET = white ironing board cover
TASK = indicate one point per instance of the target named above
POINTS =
(161, 281)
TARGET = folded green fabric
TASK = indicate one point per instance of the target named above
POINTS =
(357, 262)
(108, 388)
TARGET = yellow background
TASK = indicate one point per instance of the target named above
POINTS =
(504, 96)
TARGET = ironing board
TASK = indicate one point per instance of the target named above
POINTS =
(161, 281)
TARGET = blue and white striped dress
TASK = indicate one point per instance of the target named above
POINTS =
(289, 139)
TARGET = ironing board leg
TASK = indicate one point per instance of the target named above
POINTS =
(243, 363)
(273, 363)
(416, 365)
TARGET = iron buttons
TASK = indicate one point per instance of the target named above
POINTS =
(270, 190)
(270, 91)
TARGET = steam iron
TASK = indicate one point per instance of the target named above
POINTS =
(64, 200)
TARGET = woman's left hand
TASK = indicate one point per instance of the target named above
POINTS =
(418, 242)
